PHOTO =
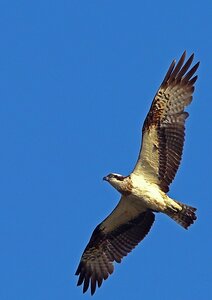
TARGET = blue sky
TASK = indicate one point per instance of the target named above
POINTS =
(76, 81)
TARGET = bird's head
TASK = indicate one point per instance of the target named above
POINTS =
(116, 180)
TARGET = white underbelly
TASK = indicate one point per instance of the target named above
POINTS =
(147, 194)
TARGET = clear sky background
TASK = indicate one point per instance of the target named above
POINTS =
(76, 81)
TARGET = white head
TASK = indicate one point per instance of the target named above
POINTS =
(117, 181)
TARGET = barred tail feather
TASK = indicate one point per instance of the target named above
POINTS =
(185, 217)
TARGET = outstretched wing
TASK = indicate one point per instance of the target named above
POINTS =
(164, 127)
(114, 238)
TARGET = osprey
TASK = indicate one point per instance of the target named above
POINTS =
(144, 191)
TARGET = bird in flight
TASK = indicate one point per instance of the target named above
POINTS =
(144, 191)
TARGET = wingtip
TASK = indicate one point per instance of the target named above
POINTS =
(93, 292)
(184, 54)
(197, 64)
(182, 58)
(192, 56)
(85, 287)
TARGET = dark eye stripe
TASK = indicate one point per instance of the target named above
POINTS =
(121, 178)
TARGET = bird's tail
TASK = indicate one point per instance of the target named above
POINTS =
(185, 217)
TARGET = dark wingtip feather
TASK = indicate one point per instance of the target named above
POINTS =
(86, 282)
(81, 278)
(78, 270)
(186, 78)
(100, 280)
(193, 80)
(185, 68)
(184, 54)
(177, 71)
(93, 285)
(178, 67)
(169, 72)
(191, 58)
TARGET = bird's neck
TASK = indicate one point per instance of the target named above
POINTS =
(123, 186)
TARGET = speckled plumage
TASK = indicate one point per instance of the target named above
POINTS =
(143, 192)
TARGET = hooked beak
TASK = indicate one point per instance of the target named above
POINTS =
(105, 178)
